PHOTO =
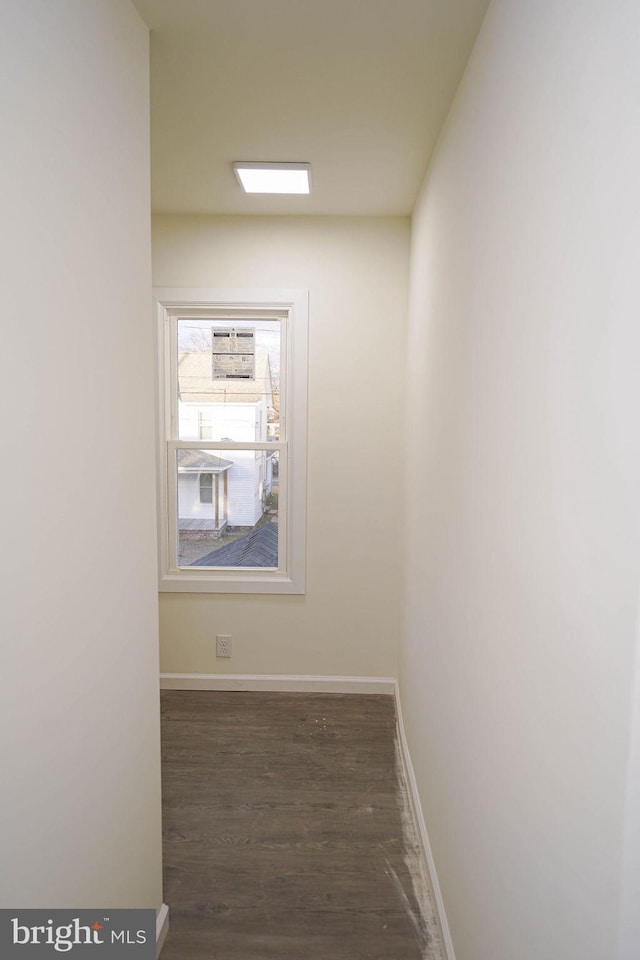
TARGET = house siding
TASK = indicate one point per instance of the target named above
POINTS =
(247, 479)
(245, 502)
(234, 421)
(189, 505)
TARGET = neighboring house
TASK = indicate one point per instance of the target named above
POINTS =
(203, 491)
(220, 489)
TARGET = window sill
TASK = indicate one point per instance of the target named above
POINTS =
(235, 582)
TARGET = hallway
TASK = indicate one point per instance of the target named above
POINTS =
(467, 499)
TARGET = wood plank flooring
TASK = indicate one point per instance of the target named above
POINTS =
(287, 833)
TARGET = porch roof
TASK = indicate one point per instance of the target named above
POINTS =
(201, 461)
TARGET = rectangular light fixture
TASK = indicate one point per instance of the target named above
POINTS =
(273, 177)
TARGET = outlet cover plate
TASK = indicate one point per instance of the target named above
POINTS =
(223, 645)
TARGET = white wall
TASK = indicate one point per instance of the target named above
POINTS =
(523, 565)
(356, 272)
(79, 700)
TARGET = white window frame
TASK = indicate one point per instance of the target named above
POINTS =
(291, 307)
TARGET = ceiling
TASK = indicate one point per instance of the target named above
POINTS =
(358, 88)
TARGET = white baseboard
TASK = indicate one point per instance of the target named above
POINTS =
(276, 683)
(419, 820)
(162, 927)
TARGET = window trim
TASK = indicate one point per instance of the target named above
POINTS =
(291, 306)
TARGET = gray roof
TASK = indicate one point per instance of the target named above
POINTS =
(199, 461)
(257, 549)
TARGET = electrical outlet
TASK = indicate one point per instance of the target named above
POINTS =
(223, 645)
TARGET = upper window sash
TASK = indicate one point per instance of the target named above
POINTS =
(237, 313)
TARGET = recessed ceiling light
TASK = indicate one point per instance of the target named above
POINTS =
(273, 177)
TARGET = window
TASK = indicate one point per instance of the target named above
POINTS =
(205, 426)
(232, 450)
(206, 488)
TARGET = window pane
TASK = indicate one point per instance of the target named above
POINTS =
(238, 526)
(205, 426)
(206, 488)
(228, 379)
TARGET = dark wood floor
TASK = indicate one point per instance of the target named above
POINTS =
(286, 831)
